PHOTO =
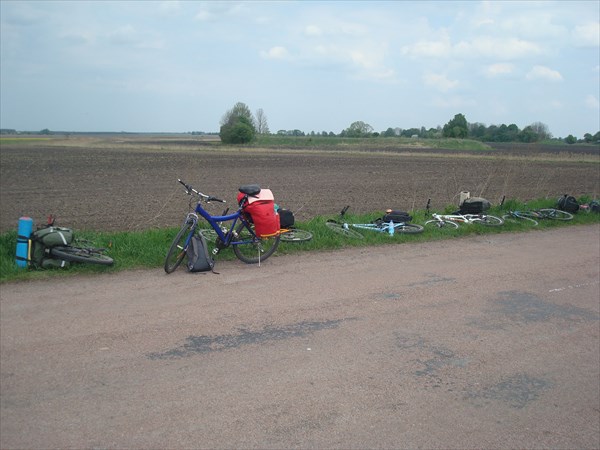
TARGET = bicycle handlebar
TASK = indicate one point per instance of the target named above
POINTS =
(207, 198)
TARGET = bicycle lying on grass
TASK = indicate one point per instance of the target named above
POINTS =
(240, 235)
(533, 216)
(344, 228)
(52, 247)
(452, 221)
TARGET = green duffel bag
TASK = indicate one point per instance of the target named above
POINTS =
(40, 258)
(53, 263)
(53, 236)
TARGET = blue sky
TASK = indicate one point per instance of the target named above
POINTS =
(178, 66)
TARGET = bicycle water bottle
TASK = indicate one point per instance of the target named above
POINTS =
(391, 228)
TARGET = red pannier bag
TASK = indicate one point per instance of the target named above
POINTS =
(261, 209)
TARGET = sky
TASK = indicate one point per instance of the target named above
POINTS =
(179, 66)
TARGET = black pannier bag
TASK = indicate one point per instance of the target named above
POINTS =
(286, 218)
(568, 203)
(396, 216)
(199, 258)
(474, 205)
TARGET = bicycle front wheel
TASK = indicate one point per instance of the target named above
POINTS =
(555, 214)
(295, 235)
(82, 255)
(255, 249)
(345, 231)
(519, 218)
(178, 248)
(489, 221)
(409, 228)
(449, 224)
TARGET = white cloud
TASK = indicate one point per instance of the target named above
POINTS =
(543, 73)
(507, 49)
(587, 35)
(592, 102)
(277, 52)
(480, 47)
(499, 69)
(439, 81)
(313, 30)
(441, 48)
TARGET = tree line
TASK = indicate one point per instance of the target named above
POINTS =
(239, 125)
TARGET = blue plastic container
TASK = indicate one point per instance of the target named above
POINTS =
(23, 235)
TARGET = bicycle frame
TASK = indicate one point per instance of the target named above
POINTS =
(227, 237)
(462, 218)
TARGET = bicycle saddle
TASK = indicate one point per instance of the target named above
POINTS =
(250, 189)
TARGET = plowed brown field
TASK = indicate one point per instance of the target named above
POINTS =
(112, 183)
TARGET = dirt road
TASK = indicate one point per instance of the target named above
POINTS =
(482, 342)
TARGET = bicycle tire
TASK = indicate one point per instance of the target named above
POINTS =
(178, 249)
(489, 221)
(340, 229)
(555, 214)
(442, 224)
(257, 249)
(295, 235)
(409, 228)
(82, 255)
(529, 214)
(519, 218)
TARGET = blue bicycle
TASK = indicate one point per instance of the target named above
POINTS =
(247, 246)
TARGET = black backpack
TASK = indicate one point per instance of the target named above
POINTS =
(199, 258)
(568, 203)
(474, 205)
(395, 216)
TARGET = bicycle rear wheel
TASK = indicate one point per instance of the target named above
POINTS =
(82, 255)
(555, 214)
(489, 221)
(295, 235)
(449, 224)
(409, 228)
(345, 231)
(178, 248)
(256, 249)
(519, 218)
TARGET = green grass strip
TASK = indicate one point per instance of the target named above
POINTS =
(147, 249)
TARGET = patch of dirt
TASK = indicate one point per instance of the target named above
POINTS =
(129, 185)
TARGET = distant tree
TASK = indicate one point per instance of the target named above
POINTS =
(239, 132)
(262, 127)
(237, 125)
(45, 131)
(389, 132)
(542, 130)
(410, 132)
(239, 110)
(596, 137)
(528, 135)
(359, 129)
(570, 139)
(457, 127)
(476, 130)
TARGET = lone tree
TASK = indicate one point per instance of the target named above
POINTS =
(237, 125)
(456, 128)
(262, 127)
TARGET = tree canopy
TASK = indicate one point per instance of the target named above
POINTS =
(237, 125)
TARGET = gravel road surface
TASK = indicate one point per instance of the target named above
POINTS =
(489, 341)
